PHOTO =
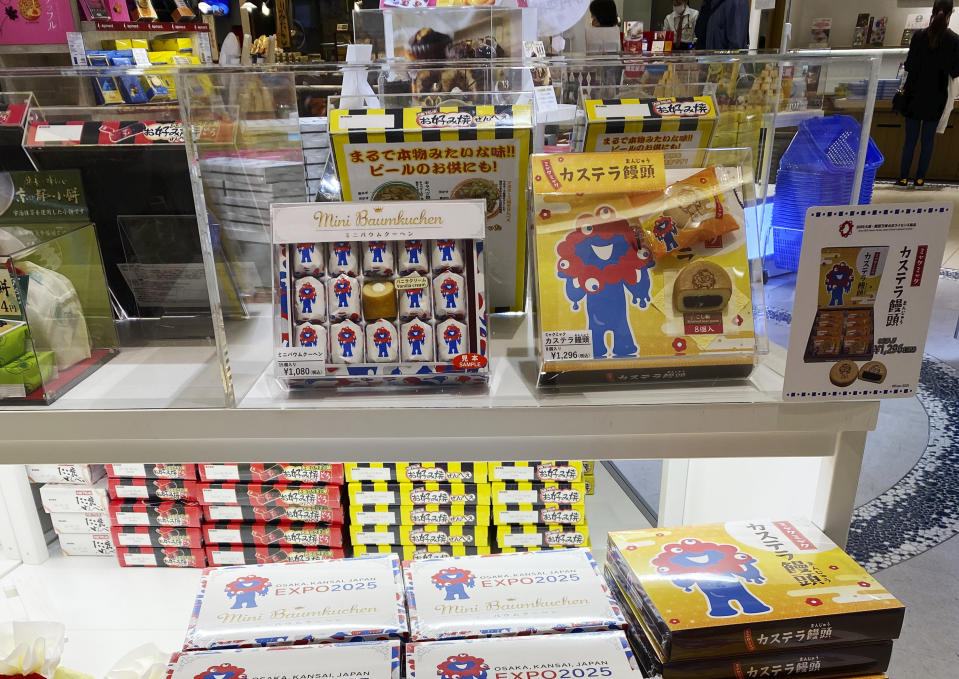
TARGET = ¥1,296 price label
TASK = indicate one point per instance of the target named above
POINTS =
(303, 369)
(567, 345)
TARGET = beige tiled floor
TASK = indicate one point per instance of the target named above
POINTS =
(887, 193)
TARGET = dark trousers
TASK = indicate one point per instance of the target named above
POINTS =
(928, 134)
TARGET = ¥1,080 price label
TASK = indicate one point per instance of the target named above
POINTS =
(303, 369)
(567, 345)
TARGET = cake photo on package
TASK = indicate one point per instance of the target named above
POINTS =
(747, 587)
(592, 654)
(293, 603)
(365, 660)
(508, 594)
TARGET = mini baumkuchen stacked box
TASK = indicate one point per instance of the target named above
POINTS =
(750, 599)
(266, 621)
(419, 509)
(271, 512)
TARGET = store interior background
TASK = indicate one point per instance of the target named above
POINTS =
(908, 439)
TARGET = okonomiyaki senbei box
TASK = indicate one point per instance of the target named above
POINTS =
(508, 594)
(297, 603)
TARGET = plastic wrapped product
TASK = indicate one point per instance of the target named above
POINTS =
(413, 257)
(343, 258)
(239, 555)
(538, 493)
(417, 552)
(369, 660)
(298, 472)
(447, 255)
(86, 544)
(595, 654)
(308, 259)
(379, 299)
(381, 342)
(414, 297)
(424, 515)
(449, 295)
(450, 339)
(64, 497)
(378, 258)
(286, 534)
(543, 536)
(310, 335)
(539, 470)
(160, 557)
(525, 514)
(309, 300)
(152, 489)
(64, 473)
(80, 522)
(345, 297)
(156, 536)
(155, 513)
(346, 342)
(441, 472)
(417, 341)
(292, 603)
(153, 471)
(419, 535)
(268, 495)
(273, 513)
(509, 594)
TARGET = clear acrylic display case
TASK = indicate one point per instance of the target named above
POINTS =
(57, 323)
(277, 115)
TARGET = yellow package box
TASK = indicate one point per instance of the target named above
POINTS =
(421, 515)
(568, 515)
(725, 589)
(419, 535)
(538, 470)
(415, 552)
(549, 535)
(440, 472)
(538, 493)
(414, 494)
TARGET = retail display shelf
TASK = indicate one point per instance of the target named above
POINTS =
(149, 402)
(109, 610)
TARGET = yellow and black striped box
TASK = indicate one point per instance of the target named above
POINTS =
(477, 536)
(535, 493)
(590, 482)
(551, 535)
(421, 515)
(572, 515)
(426, 153)
(538, 470)
(412, 553)
(664, 124)
(416, 472)
(415, 494)
(589, 467)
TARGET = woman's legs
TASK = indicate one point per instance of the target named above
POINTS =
(909, 146)
(925, 152)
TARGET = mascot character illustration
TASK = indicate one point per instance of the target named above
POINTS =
(414, 248)
(446, 248)
(416, 336)
(716, 570)
(665, 231)
(839, 282)
(602, 262)
(454, 581)
(225, 671)
(383, 339)
(246, 589)
(347, 339)
(462, 666)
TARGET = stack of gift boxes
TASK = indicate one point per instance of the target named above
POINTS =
(750, 599)
(539, 505)
(270, 512)
(75, 497)
(316, 153)
(155, 517)
(470, 617)
(419, 509)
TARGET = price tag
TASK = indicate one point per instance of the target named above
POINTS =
(78, 54)
(302, 368)
(545, 98)
(567, 345)
(9, 302)
(411, 282)
(140, 57)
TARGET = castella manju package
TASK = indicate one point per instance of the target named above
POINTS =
(507, 594)
(748, 587)
(337, 600)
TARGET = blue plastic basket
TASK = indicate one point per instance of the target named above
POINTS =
(818, 168)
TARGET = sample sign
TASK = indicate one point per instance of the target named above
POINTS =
(867, 278)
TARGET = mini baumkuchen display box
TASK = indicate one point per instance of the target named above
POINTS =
(380, 294)
(641, 272)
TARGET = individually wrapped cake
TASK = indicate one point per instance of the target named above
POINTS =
(413, 257)
(308, 259)
(594, 654)
(508, 594)
(417, 341)
(309, 300)
(378, 258)
(450, 337)
(415, 297)
(345, 295)
(367, 660)
(346, 342)
(447, 254)
(343, 258)
(381, 342)
(309, 335)
(449, 295)
(291, 603)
